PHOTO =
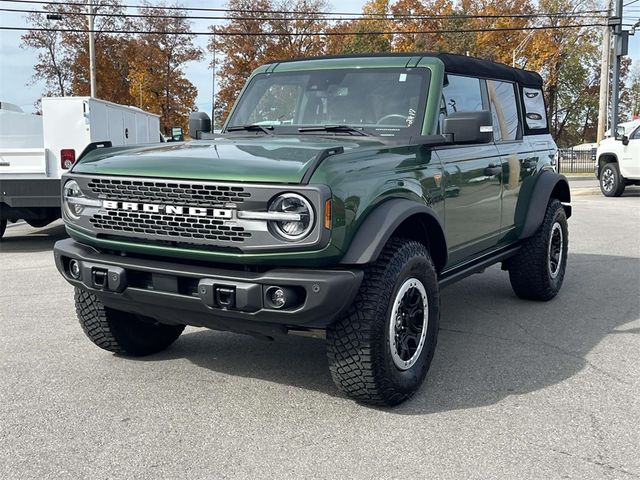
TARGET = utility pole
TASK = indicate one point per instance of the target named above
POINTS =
(92, 50)
(621, 47)
(604, 78)
(213, 85)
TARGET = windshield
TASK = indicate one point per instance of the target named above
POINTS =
(377, 101)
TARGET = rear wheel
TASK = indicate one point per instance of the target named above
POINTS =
(611, 182)
(121, 332)
(380, 351)
(537, 271)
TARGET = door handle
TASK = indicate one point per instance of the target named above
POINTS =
(492, 170)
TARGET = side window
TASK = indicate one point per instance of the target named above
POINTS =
(636, 134)
(461, 94)
(504, 109)
(535, 113)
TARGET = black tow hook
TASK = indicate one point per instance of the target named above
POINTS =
(225, 297)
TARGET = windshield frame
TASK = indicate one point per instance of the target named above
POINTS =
(384, 131)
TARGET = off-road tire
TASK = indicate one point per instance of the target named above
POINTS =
(359, 344)
(3, 226)
(121, 332)
(611, 172)
(530, 270)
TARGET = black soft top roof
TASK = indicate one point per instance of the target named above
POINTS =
(487, 69)
(458, 64)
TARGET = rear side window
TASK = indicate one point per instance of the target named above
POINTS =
(504, 109)
(534, 109)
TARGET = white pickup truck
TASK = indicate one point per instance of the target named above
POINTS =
(35, 150)
(618, 162)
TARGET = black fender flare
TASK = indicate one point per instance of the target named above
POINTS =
(378, 227)
(534, 198)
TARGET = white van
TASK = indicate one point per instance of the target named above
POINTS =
(35, 150)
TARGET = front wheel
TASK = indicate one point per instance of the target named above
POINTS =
(381, 349)
(537, 271)
(611, 182)
(3, 226)
(121, 332)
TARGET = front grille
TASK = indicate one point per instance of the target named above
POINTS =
(151, 191)
(181, 228)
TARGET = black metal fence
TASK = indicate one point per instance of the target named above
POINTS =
(576, 161)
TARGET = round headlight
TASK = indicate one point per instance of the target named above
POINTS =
(71, 192)
(294, 229)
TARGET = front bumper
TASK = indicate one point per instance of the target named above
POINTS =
(234, 300)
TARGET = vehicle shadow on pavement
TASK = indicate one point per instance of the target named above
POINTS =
(491, 344)
(23, 238)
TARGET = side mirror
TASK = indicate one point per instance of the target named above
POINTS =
(469, 127)
(177, 135)
(199, 123)
(620, 135)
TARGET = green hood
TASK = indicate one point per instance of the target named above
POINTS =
(277, 159)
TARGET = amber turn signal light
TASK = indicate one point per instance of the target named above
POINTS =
(327, 214)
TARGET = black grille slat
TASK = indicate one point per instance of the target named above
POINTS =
(196, 195)
(186, 229)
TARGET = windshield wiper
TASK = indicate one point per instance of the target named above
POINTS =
(334, 128)
(251, 128)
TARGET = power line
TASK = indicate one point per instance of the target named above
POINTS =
(300, 34)
(391, 18)
(630, 3)
(284, 12)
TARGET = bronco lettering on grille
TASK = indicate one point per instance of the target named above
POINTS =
(222, 213)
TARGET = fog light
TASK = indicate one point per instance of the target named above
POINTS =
(74, 269)
(277, 297)
(282, 297)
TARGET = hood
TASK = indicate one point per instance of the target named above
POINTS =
(272, 159)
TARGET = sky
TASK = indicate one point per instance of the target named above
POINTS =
(16, 64)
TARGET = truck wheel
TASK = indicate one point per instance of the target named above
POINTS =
(536, 272)
(120, 332)
(380, 350)
(3, 226)
(611, 182)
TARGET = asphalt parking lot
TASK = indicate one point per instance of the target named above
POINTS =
(517, 389)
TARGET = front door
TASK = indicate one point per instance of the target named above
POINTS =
(472, 178)
(631, 156)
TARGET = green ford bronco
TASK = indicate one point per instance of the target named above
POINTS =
(342, 194)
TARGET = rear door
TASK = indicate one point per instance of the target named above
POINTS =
(519, 157)
(471, 178)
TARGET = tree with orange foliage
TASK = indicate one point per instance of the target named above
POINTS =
(255, 36)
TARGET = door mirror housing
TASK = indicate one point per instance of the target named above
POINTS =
(177, 135)
(620, 135)
(468, 127)
(199, 123)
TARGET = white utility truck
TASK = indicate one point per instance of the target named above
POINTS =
(618, 162)
(35, 150)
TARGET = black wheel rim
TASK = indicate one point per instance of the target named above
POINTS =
(408, 323)
(556, 245)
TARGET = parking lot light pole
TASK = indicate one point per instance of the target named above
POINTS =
(92, 50)
(621, 47)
